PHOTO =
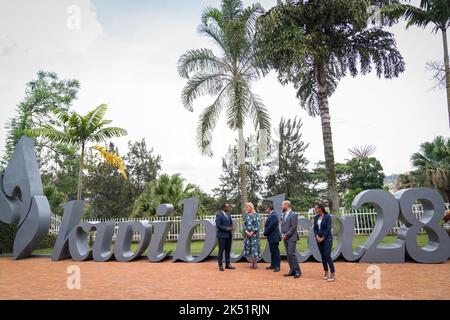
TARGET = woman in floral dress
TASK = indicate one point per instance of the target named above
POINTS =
(251, 234)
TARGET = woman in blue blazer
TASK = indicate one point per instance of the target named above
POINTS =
(324, 238)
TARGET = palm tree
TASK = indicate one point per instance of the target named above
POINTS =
(79, 130)
(315, 43)
(433, 162)
(166, 189)
(436, 12)
(227, 77)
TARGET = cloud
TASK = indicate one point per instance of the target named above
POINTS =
(47, 27)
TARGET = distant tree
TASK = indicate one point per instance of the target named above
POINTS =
(291, 175)
(78, 130)
(433, 164)
(142, 165)
(165, 189)
(109, 194)
(438, 70)
(429, 12)
(318, 182)
(315, 43)
(43, 96)
(362, 173)
(413, 179)
(230, 184)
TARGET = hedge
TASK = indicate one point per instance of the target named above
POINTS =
(8, 232)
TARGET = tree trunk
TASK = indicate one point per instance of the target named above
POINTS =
(242, 168)
(447, 71)
(327, 138)
(80, 173)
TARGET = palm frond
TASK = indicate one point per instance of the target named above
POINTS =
(96, 115)
(199, 60)
(107, 133)
(201, 83)
(54, 135)
(207, 122)
(259, 112)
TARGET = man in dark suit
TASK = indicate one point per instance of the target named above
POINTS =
(224, 224)
(289, 234)
(273, 235)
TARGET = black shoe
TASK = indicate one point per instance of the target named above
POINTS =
(276, 269)
(270, 267)
(297, 275)
(289, 274)
(229, 267)
(221, 268)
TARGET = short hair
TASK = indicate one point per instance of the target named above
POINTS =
(270, 206)
(224, 205)
(288, 203)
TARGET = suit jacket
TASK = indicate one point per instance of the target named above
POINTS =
(222, 223)
(289, 227)
(271, 228)
(325, 226)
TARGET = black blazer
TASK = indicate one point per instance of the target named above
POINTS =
(222, 223)
(325, 226)
(271, 228)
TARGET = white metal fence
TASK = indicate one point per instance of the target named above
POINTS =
(365, 222)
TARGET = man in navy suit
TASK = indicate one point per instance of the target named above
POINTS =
(273, 235)
(224, 224)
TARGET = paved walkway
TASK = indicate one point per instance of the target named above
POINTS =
(40, 278)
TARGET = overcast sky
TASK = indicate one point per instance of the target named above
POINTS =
(125, 53)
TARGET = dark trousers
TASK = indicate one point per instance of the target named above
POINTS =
(275, 258)
(325, 252)
(291, 248)
(224, 245)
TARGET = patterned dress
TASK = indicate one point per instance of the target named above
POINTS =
(251, 245)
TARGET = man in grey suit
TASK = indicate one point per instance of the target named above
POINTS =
(289, 235)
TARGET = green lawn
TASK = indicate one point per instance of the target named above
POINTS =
(197, 246)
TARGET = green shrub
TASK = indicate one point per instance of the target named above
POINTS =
(7, 234)
(48, 241)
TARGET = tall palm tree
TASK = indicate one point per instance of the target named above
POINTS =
(435, 12)
(228, 77)
(79, 130)
(313, 44)
(433, 162)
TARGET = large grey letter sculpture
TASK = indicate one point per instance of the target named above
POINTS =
(438, 248)
(188, 224)
(160, 231)
(347, 224)
(73, 211)
(387, 213)
(22, 199)
(122, 247)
